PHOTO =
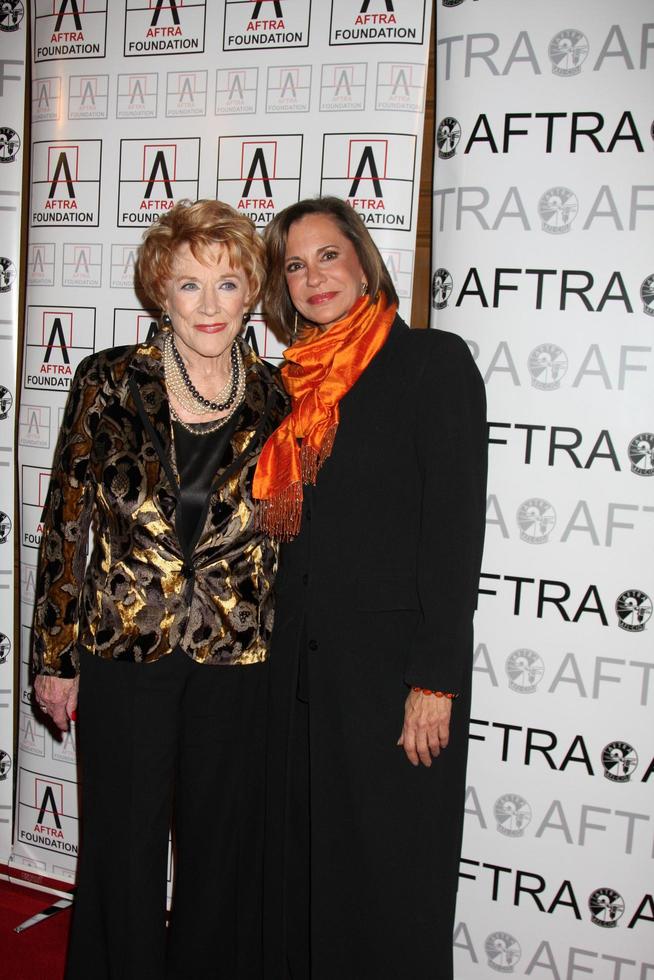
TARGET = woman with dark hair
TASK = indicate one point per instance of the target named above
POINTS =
(165, 630)
(376, 481)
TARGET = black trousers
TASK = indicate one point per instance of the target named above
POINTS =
(170, 741)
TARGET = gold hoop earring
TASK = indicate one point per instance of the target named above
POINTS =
(295, 325)
(364, 288)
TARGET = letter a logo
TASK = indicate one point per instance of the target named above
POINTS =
(258, 160)
(367, 159)
(56, 334)
(159, 165)
(63, 13)
(170, 5)
(366, 4)
(257, 8)
(48, 805)
(62, 166)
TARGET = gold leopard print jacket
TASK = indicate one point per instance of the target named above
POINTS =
(141, 594)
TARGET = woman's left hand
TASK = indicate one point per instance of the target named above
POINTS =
(57, 697)
(426, 728)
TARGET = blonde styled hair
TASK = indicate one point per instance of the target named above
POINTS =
(200, 225)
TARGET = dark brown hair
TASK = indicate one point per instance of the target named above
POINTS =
(200, 225)
(278, 308)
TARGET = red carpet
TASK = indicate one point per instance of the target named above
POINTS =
(38, 953)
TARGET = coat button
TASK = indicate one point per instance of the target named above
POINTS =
(313, 644)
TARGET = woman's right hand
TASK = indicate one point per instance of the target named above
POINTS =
(57, 697)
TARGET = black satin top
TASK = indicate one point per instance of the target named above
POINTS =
(199, 457)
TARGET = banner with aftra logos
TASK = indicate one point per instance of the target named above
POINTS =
(137, 104)
(544, 263)
(13, 52)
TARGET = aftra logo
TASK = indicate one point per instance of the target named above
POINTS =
(400, 86)
(490, 208)
(558, 208)
(573, 132)
(266, 24)
(88, 97)
(606, 907)
(65, 29)
(568, 50)
(7, 274)
(82, 265)
(9, 144)
(513, 815)
(641, 454)
(343, 87)
(34, 426)
(236, 91)
(35, 483)
(484, 55)
(137, 96)
(5, 648)
(6, 401)
(123, 264)
(56, 341)
(66, 183)
(40, 264)
(502, 949)
(186, 93)
(536, 519)
(448, 136)
(11, 15)
(376, 22)
(289, 88)
(647, 295)
(259, 175)
(441, 288)
(400, 264)
(262, 340)
(164, 26)
(154, 176)
(524, 669)
(134, 326)
(46, 99)
(547, 365)
(619, 760)
(45, 812)
(374, 173)
(5, 527)
(634, 609)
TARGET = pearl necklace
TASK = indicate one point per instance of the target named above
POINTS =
(208, 426)
(179, 383)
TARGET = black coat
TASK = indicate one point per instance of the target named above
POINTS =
(376, 593)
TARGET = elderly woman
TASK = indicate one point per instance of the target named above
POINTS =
(377, 480)
(166, 628)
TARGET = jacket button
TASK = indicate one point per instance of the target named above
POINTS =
(305, 578)
(313, 644)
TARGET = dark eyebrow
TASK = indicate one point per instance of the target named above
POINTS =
(321, 248)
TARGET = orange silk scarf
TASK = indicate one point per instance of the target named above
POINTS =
(321, 368)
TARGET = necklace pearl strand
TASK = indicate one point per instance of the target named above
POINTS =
(186, 394)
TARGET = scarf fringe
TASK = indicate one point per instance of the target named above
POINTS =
(280, 516)
(312, 459)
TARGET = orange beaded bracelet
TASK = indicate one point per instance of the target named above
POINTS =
(437, 694)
